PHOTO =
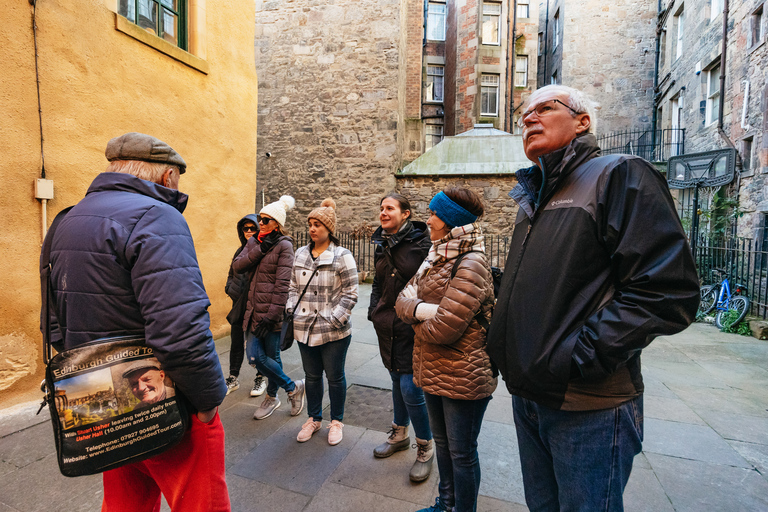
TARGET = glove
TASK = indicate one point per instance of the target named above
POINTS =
(263, 328)
(425, 311)
(269, 241)
(410, 292)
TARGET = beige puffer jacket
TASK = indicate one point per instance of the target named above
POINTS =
(449, 356)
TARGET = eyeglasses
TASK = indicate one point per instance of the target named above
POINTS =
(264, 220)
(542, 109)
(250, 229)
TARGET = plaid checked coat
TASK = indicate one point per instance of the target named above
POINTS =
(324, 312)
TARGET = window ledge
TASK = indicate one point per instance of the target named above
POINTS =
(130, 29)
(756, 46)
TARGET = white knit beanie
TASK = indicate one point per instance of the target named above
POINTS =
(278, 209)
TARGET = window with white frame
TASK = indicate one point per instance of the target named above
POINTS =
(713, 94)
(556, 30)
(434, 86)
(541, 43)
(756, 30)
(715, 8)
(433, 135)
(553, 79)
(521, 71)
(680, 24)
(489, 95)
(491, 22)
(436, 21)
(523, 9)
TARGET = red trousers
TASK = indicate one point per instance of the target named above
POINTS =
(190, 476)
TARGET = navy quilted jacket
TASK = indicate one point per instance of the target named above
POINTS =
(123, 262)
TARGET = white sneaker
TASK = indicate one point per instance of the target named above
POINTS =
(259, 385)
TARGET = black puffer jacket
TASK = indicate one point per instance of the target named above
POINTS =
(406, 249)
(598, 267)
(237, 284)
(270, 280)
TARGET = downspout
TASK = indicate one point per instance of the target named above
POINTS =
(655, 114)
(43, 202)
(512, 42)
(546, 47)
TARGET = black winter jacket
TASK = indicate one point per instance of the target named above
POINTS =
(406, 249)
(123, 262)
(237, 284)
(598, 267)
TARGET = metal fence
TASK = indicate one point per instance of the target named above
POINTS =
(666, 143)
(362, 248)
(745, 262)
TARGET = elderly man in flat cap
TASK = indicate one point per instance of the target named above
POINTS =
(147, 382)
(123, 262)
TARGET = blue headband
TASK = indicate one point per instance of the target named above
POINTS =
(450, 212)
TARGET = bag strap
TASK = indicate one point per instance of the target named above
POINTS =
(307, 286)
(46, 287)
(479, 316)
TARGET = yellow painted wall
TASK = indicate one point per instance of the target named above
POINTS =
(97, 82)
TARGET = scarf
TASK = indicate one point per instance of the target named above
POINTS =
(459, 240)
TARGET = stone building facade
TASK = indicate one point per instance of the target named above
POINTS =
(342, 108)
(605, 49)
(691, 46)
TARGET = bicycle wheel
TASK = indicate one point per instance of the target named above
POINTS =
(708, 300)
(735, 311)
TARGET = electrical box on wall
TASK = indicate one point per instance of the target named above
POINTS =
(43, 189)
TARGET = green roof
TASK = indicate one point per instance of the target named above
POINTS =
(481, 151)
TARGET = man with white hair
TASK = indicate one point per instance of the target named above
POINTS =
(598, 267)
(123, 262)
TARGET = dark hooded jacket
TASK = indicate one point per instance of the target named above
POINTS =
(123, 262)
(270, 278)
(598, 266)
(397, 258)
(237, 284)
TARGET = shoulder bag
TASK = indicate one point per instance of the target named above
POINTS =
(286, 333)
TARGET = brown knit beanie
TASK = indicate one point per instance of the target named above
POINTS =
(325, 214)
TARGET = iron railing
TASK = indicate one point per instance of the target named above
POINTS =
(666, 143)
(362, 248)
(745, 262)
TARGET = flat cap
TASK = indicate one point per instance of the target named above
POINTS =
(138, 146)
(144, 364)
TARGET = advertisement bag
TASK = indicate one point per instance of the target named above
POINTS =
(111, 404)
(110, 401)
(286, 332)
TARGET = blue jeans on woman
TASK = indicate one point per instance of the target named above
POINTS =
(329, 357)
(456, 426)
(409, 405)
(264, 354)
(577, 460)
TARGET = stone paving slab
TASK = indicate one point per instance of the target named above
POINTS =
(729, 400)
(341, 498)
(247, 495)
(22, 416)
(688, 441)
(755, 454)
(671, 409)
(500, 462)
(686, 374)
(644, 493)
(751, 429)
(298, 467)
(698, 486)
(385, 477)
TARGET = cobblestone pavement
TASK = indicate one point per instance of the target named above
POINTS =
(705, 449)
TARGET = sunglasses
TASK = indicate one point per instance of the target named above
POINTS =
(250, 229)
(264, 220)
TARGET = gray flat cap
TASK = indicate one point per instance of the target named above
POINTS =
(138, 146)
(145, 364)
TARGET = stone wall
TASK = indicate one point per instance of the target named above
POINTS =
(328, 104)
(500, 210)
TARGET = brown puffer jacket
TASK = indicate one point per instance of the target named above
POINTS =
(268, 289)
(449, 357)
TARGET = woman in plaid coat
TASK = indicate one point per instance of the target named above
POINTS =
(322, 318)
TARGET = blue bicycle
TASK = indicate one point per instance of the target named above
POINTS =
(731, 307)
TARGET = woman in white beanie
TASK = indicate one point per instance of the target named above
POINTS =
(322, 318)
(269, 256)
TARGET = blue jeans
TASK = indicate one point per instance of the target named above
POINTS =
(329, 357)
(264, 354)
(456, 425)
(409, 405)
(577, 460)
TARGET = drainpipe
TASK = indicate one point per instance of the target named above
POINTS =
(655, 114)
(546, 46)
(512, 41)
